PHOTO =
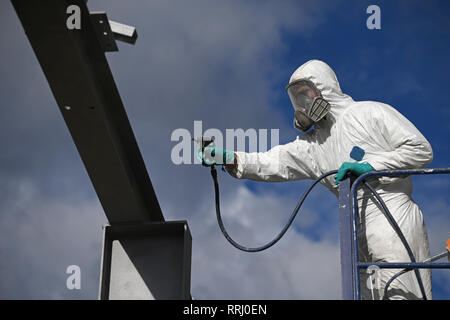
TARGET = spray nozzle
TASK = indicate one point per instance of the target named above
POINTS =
(204, 141)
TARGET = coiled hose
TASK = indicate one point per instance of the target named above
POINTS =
(294, 214)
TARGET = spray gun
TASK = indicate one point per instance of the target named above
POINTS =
(204, 142)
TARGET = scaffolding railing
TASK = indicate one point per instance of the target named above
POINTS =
(348, 222)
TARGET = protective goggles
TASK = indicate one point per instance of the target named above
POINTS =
(306, 98)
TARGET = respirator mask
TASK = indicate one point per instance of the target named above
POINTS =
(309, 106)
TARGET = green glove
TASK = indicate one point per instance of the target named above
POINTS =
(214, 155)
(354, 167)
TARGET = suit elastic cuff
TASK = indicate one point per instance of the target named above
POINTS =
(237, 170)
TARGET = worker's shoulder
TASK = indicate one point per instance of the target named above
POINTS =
(369, 108)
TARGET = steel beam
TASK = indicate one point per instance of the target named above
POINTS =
(77, 71)
(146, 261)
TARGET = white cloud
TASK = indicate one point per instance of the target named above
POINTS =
(41, 236)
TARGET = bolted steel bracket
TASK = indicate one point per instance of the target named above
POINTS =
(108, 31)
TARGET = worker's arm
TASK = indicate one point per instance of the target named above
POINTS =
(390, 141)
(410, 149)
(286, 162)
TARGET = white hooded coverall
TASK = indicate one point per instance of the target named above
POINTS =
(390, 142)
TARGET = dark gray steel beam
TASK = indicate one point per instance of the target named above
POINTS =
(150, 260)
(81, 81)
(104, 33)
(123, 33)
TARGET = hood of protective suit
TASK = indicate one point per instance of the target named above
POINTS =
(324, 78)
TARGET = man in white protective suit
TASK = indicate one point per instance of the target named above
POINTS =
(356, 137)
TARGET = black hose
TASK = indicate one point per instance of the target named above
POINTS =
(400, 235)
(395, 276)
(283, 231)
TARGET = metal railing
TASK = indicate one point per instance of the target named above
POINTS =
(348, 222)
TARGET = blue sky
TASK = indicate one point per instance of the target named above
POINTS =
(232, 61)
